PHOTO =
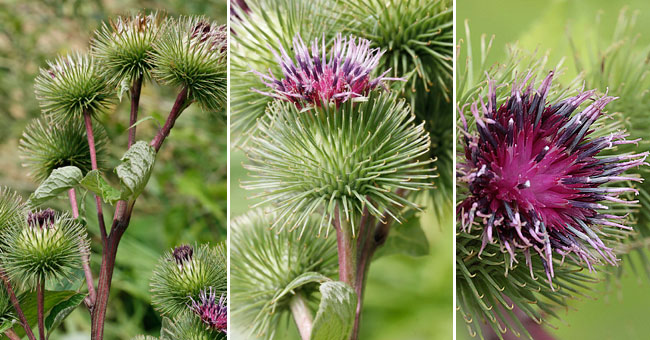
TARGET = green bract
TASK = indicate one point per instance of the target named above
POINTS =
(180, 276)
(268, 268)
(192, 55)
(266, 26)
(125, 45)
(11, 208)
(72, 85)
(366, 154)
(189, 327)
(46, 146)
(38, 248)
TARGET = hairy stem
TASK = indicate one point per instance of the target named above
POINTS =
(16, 304)
(11, 334)
(93, 162)
(179, 105)
(40, 300)
(136, 88)
(347, 249)
(85, 258)
(302, 315)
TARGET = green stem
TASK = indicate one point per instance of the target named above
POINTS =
(302, 315)
(93, 162)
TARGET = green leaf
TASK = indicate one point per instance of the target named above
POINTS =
(7, 324)
(407, 238)
(303, 279)
(336, 313)
(135, 169)
(61, 311)
(96, 183)
(60, 180)
(30, 309)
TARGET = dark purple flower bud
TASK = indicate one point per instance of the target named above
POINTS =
(536, 180)
(212, 312)
(213, 36)
(239, 9)
(41, 219)
(315, 78)
(183, 254)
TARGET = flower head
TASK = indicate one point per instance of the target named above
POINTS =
(183, 273)
(41, 219)
(537, 180)
(213, 312)
(315, 78)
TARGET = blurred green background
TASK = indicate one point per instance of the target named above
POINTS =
(185, 200)
(617, 311)
(406, 297)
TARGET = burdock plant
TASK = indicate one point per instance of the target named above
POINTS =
(544, 188)
(337, 151)
(64, 152)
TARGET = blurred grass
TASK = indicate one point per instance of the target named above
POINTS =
(617, 311)
(185, 200)
(406, 297)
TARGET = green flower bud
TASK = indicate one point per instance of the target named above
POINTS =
(72, 85)
(192, 55)
(181, 275)
(11, 207)
(354, 157)
(264, 263)
(43, 246)
(124, 46)
(46, 146)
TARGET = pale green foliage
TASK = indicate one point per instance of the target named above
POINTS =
(135, 169)
(173, 285)
(191, 54)
(355, 157)
(335, 317)
(124, 46)
(59, 181)
(46, 146)
(34, 254)
(267, 268)
(72, 85)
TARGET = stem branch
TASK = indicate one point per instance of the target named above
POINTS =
(11, 334)
(302, 315)
(93, 162)
(136, 88)
(16, 304)
(179, 105)
(85, 258)
(40, 300)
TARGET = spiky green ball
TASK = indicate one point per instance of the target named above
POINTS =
(264, 27)
(363, 155)
(124, 46)
(191, 54)
(12, 207)
(189, 327)
(45, 146)
(417, 36)
(38, 248)
(177, 280)
(72, 85)
(264, 263)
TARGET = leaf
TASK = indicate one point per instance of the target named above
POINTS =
(135, 169)
(96, 183)
(407, 238)
(144, 120)
(29, 306)
(60, 180)
(336, 312)
(303, 279)
(7, 324)
(61, 311)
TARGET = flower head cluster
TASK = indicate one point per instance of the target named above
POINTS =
(315, 78)
(537, 180)
(213, 312)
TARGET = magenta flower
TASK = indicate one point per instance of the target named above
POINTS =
(212, 312)
(314, 78)
(183, 254)
(41, 219)
(536, 180)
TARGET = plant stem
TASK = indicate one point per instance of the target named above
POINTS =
(16, 304)
(106, 271)
(302, 315)
(93, 162)
(347, 249)
(85, 263)
(179, 105)
(40, 300)
(11, 334)
(136, 88)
